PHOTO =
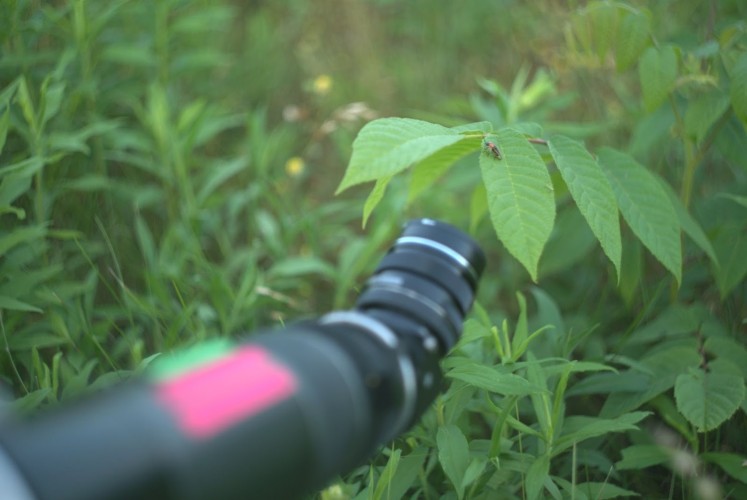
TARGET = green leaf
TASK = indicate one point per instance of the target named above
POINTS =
(604, 491)
(491, 379)
(708, 399)
(386, 146)
(632, 38)
(641, 456)
(702, 112)
(604, 19)
(520, 197)
(432, 168)
(662, 368)
(14, 304)
(579, 428)
(730, 245)
(739, 87)
(537, 473)
(453, 453)
(688, 223)
(592, 193)
(407, 472)
(19, 236)
(658, 72)
(382, 485)
(297, 266)
(4, 123)
(733, 464)
(646, 207)
(376, 195)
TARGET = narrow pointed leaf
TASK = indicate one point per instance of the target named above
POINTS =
(689, 225)
(592, 192)
(658, 72)
(453, 453)
(520, 197)
(387, 146)
(646, 208)
(377, 193)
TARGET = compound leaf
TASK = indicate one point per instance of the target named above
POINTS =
(592, 192)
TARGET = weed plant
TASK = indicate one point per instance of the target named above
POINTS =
(167, 175)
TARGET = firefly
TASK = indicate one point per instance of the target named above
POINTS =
(493, 148)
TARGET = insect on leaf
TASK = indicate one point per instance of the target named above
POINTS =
(520, 197)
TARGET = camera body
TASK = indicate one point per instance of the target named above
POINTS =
(276, 416)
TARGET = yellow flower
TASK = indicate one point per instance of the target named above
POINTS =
(322, 84)
(294, 166)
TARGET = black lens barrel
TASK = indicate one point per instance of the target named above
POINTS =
(431, 275)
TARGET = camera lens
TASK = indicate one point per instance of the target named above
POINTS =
(430, 275)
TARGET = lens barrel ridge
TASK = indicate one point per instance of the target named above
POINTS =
(430, 274)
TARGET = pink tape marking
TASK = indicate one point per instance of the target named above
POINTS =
(229, 389)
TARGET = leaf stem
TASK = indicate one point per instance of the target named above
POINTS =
(537, 140)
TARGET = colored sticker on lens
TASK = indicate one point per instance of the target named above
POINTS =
(226, 390)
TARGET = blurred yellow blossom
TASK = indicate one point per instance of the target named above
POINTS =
(322, 84)
(294, 166)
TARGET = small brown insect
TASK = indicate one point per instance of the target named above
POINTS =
(493, 148)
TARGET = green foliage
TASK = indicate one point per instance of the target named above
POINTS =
(167, 172)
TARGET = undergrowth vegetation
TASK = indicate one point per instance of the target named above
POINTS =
(168, 174)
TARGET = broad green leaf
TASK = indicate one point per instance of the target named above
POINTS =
(658, 72)
(453, 453)
(475, 127)
(688, 223)
(537, 473)
(592, 193)
(708, 399)
(432, 168)
(376, 195)
(725, 348)
(386, 146)
(702, 112)
(739, 87)
(491, 379)
(646, 207)
(641, 456)
(579, 428)
(520, 197)
(632, 38)
(661, 369)
(733, 464)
